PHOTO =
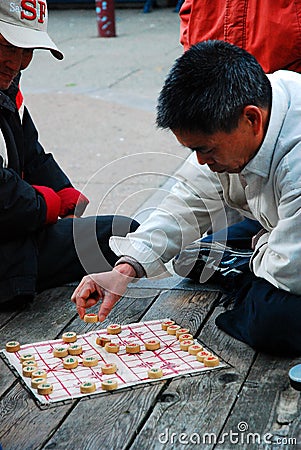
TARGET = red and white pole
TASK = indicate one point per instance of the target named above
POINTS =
(105, 16)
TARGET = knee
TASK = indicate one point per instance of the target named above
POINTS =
(122, 225)
(114, 225)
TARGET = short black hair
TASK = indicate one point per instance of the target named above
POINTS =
(209, 86)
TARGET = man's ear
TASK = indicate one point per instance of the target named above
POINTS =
(255, 116)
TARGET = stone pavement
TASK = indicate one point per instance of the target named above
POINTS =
(95, 110)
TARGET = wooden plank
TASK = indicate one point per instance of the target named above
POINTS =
(128, 310)
(40, 322)
(188, 309)
(239, 355)
(268, 410)
(6, 377)
(114, 429)
(193, 409)
(6, 316)
(190, 409)
(11, 309)
(23, 425)
(44, 318)
(52, 312)
(107, 421)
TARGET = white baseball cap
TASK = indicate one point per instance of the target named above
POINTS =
(23, 23)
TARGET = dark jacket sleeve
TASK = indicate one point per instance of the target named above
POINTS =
(40, 168)
(22, 210)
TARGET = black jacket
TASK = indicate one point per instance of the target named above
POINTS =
(22, 208)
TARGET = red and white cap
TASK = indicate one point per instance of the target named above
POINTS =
(23, 23)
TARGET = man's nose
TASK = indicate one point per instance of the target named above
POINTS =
(204, 159)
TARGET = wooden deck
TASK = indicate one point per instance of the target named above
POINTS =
(247, 405)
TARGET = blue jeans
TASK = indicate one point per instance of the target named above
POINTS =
(239, 235)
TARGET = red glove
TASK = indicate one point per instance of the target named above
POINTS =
(53, 203)
(72, 201)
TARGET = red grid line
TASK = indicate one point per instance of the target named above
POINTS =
(178, 356)
(47, 368)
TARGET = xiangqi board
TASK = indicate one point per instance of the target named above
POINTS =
(141, 353)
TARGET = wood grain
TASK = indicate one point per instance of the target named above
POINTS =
(268, 406)
(195, 407)
(23, 425)
(106, 422)
(185, 412)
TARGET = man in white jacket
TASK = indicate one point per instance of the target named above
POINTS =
(244, 129)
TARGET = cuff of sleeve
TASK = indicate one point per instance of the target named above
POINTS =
(53, 203)
(256, 238)
(151, 263)
(140, 272)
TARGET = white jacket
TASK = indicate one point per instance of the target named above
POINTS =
(272, 196)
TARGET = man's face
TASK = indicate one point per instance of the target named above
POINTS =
(227, 152)
(12, 60)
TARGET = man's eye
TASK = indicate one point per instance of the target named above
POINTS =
(6, 48)
(6, 44)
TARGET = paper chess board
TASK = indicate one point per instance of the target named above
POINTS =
(131, 368)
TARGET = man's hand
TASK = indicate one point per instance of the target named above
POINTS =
(106, 286)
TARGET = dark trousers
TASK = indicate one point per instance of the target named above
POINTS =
(72, 248)
(59, 254)
(264, 317)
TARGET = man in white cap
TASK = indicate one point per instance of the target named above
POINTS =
(37, 248)
(24, 25)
